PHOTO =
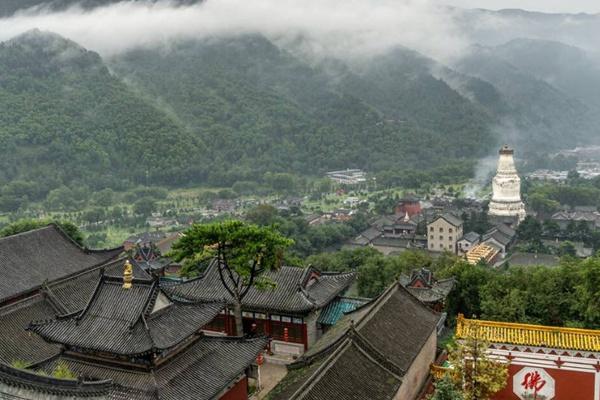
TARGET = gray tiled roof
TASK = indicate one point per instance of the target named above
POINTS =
(471, 237)
(366, 354)
(451, 219)
(43, 255)
(121, 321)
(62, 297)
(202, 372)
(45, 385)
(437, 292)
(293, 293)
(16, 344)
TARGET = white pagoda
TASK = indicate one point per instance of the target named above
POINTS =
(506, 203)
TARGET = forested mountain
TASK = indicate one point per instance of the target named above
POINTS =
(64, 119)
(255, 103)
(227, 108)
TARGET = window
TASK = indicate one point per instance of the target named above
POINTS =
(431, 237)
(275, 318)
(441, 237)
(450, 247)
(450, 238)
(450, 230)
(431, 245)
(441, 245)
(441, 230)
(431, 229)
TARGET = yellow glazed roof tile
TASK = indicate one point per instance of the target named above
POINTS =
(529, 335)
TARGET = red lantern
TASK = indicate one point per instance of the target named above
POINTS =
(260, 359)
(286, 335)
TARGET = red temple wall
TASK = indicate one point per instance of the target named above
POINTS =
(569, 385)
(238, 392)
(410, 208)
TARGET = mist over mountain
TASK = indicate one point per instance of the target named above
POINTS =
(211, 100)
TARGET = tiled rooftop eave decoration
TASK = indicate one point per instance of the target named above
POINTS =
(529, 335)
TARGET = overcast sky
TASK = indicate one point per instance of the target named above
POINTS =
(568, 6)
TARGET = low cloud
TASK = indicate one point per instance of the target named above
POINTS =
(333, 27)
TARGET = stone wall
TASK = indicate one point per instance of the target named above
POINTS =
(417, 374)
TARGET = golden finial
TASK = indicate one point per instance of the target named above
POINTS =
(127, 275)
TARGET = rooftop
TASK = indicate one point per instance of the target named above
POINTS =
(528, 335)
(203, 371)
(29, 259)
(28, 380)
(135, 321)
(66, 296)
(297, 290)
(366, 354)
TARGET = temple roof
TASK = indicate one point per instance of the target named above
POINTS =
(366, 354)
(203, 371)
(29, 259)
(61, 297)
(438, 292)
(528, 335)
(28, 380)
(130, 322)
(297, 290)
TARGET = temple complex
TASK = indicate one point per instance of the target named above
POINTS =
(380, 351)
(148, 344)
(506, 205)
(289, 313)
(545, 362)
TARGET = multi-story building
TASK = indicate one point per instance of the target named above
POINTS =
(444, 232)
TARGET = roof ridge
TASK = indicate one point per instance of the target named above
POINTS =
(383, 360)
(328, 363)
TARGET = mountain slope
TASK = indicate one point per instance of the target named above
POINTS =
(568, 68)
(539, 116)
(64, 119)
(246, 96)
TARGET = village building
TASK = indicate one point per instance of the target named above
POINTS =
(483, 252)
(501, 236)
(348, 176)
(409, 205)
(506, 205)
(288, 313)
(443, 233)
(430, 291)
(564, 218)
(545, 362)
(381, 350)
(467, 242)
(142, 239)
(148, 344)
(401, 227)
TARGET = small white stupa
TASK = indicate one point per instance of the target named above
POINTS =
(506, 200)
